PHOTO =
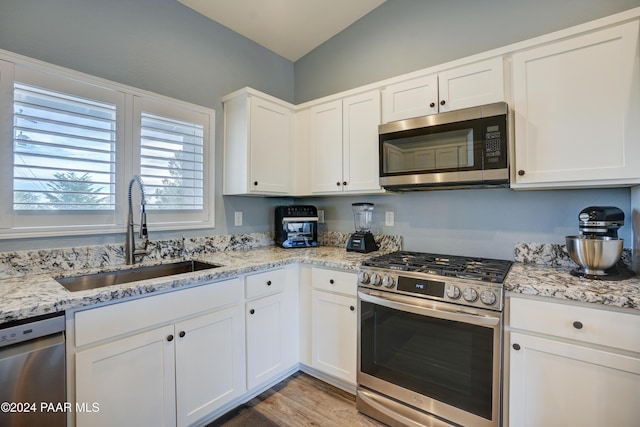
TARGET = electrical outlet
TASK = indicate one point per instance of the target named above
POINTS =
(320, 216)
(238, 219)
(389, 218)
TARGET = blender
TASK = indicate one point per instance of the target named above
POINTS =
(362, 240)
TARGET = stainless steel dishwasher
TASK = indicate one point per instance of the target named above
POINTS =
(32, 372)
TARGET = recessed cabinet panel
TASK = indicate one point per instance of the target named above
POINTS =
(466, 86)
(257, 144)
(326, 147)
(413, 98)
(266, 343)
(344, 141)
(132, 380)
(576, 106)
(210, 368)
(270, 147)
(470, 85)
(334, 342)
(561, 384)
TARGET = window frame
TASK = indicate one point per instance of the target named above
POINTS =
(28, 224)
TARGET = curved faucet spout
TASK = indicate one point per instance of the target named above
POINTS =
(130, 244)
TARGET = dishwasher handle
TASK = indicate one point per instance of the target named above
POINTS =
(29, 329)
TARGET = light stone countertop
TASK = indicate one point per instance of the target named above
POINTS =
(558, 283)
(37, 294)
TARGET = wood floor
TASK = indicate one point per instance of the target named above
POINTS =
(300, 400)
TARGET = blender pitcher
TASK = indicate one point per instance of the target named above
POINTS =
(362, 240)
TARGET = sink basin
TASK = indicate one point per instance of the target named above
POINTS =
(99, 280)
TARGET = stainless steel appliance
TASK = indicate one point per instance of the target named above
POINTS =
(296, 226)
(597, 250)
(362, 240)
(457, 149)
(430, 339)
(32, 372)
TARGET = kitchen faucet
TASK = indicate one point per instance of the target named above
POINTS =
(130, 244)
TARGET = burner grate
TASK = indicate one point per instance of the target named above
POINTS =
(485, 269)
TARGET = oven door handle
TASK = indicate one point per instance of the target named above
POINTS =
(430, 308)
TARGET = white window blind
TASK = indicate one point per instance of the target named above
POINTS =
(63, 151)
(172, 162)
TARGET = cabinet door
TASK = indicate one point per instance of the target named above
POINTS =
(132, 379)
(411, 98)
(326, 147)
(361, 117)
(471, 85)
(576, 106)
(552, 383)
(334, 342)
(270, 135)
(266, 338)
(210, 368)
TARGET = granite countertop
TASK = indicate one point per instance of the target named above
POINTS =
(557, 282)
(28, 287)
(37, 294)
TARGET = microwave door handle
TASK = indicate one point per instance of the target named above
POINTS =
(428, 308)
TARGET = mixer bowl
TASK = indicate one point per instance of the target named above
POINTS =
(594, 253)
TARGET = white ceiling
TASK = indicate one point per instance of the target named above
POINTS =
(290, 28)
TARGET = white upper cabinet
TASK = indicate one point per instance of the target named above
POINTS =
(257, 144)
(576, 104)
(344, 144)
(461, 87)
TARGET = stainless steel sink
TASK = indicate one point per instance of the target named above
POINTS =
(109, 278)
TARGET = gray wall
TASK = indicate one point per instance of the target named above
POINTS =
(407, 35)
(156, 45)
(165, 47)
(484, 222)
(402, 36)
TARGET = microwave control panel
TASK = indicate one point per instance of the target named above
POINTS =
(495, 142)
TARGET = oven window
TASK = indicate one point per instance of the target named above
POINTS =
(445, 360)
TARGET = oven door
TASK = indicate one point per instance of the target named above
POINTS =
(440, 358)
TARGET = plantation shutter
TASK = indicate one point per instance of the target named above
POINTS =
(172, 162)
(63, 151)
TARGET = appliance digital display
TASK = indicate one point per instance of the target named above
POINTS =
(432, 288)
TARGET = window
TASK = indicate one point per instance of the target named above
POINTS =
(75, 142)
(63, 151)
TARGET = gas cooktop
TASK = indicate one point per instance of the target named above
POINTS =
(463, 267)
(469, 281)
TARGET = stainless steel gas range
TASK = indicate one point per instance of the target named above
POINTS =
(430, 339)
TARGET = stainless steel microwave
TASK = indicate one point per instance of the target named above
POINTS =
(458, 149)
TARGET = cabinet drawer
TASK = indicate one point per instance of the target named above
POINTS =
(120, 319)
(334, 281)
(268, 282)
(592, 325)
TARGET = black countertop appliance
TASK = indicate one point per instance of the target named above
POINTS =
(296, 226)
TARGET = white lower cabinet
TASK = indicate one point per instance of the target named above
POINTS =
(174, 374)
(271, 333)
(209, 363)
(554, 383)
(561, 373)
(131, 379)
(334, 324)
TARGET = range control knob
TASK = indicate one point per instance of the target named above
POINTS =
(453, 292)
(363, 277)
(470, 294)
(488, 297)
(376, 280)
(388, 282)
